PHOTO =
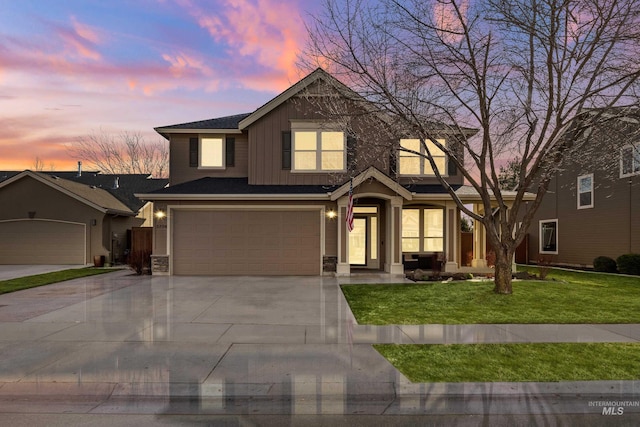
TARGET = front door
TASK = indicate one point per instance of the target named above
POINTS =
(363, 239)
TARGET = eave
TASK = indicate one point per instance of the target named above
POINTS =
(237, 197)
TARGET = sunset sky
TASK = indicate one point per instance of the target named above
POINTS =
(76, 67)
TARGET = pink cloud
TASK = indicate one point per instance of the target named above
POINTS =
(185, 64)
(79, 40)
(271, 32)
(21, 145)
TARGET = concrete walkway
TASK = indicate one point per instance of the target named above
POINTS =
(123, 344)
(8, 272)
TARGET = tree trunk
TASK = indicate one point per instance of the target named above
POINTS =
(503, 274)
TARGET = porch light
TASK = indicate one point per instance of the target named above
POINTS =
(331, 214)
(160, 214)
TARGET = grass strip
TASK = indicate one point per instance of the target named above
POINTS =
(538, 362)
(572, 297)
(27, 282)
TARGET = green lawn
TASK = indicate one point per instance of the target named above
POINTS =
(573, 297)
(515, 362)
(21, 283)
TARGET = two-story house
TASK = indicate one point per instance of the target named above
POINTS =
(267, 193)
(592, 207)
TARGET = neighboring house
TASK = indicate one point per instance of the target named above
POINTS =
(266, 193)
(70, 217)
(592, 207)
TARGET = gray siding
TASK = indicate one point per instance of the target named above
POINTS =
(265, 149)
(611, 228)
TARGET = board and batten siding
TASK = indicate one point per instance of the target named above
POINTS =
(265, 148)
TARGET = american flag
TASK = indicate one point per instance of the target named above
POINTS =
(349, 218)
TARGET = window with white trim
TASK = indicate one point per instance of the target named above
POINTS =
(318, 151)
(417, 164)
(630, 160)
(549, 236)
(585, 191)
(212, 153)
(422, 230)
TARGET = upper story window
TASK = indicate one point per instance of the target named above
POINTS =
(630, 160)
(318, 150)
(212, 152)
(418, 164)
(585, 191)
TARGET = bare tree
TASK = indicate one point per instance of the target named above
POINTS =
(38, 164)
(508, 175)
(126, 152)
(517, 71)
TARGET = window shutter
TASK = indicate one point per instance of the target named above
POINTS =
(286, 150)
(452, 169)
(230, 151)
(193, 152)
(351, 152)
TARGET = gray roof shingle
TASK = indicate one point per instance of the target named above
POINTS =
(227, 122)
(240, 186)
(221, 186)
(128, 184)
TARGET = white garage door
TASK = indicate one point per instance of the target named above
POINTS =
(42, 242)
(246, 242)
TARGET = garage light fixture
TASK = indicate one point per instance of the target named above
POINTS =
(160, 214)
(331, 214)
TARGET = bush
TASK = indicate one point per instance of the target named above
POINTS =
(140, 262)
(604, 264)
(629, 264)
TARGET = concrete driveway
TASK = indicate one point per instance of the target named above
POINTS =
(124, 344)
(98, 343)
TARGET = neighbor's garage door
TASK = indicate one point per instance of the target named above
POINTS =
(246, 242)
(41, 242)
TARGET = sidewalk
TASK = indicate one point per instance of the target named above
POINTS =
(8, 272)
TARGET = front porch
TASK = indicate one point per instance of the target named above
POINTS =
(395, 230)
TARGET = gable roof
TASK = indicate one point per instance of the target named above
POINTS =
(372, 172)
(128, 184)
(94, 197)
(317, 74)
(239, 122)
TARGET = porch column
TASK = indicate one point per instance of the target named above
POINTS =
(479, 241)
(343, 268)
(452, 237)
(394, 245)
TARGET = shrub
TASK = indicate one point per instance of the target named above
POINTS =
(140, 262)
(629, 264)
(544, 267)
(604, 264)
